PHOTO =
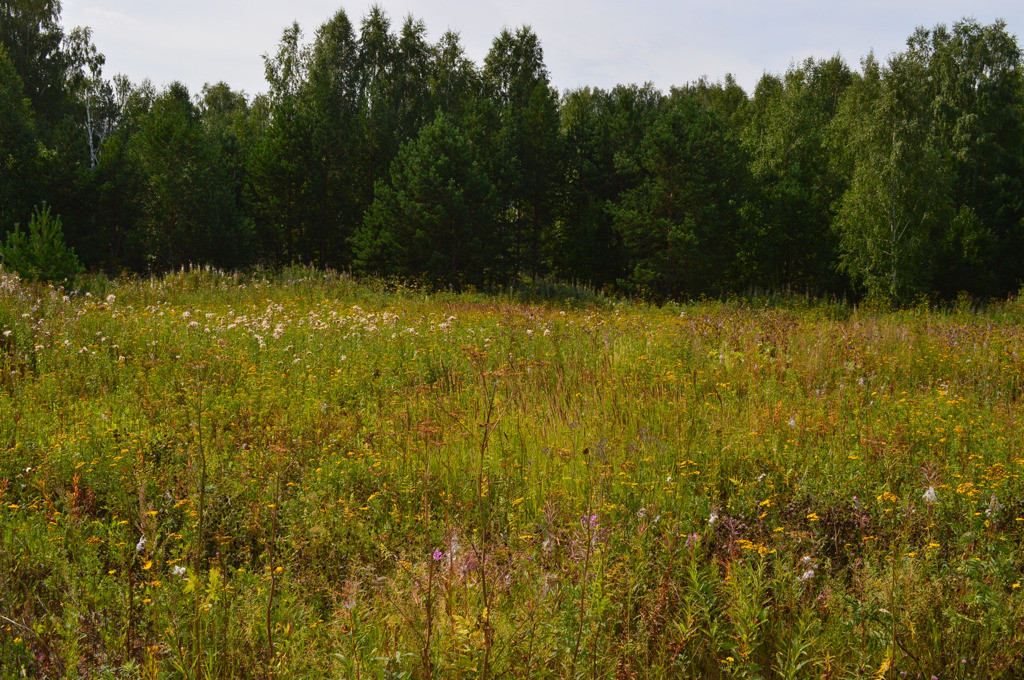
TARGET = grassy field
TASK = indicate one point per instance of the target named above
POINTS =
(217, 476)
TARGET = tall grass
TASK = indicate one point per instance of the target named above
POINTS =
(217, 475)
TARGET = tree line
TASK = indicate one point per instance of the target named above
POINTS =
(378, 151)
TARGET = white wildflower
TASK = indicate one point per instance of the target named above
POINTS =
(141, 545)
(179, 570)
(930, 496)
(713, 518)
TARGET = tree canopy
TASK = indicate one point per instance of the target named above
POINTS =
(376, 150)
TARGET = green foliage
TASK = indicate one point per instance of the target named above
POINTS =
(333, 106)
(430, 219)
(34, 38)
(977, 89)
(40, 254)
(725, 98)
(456, 83)
(681, 222)
(18, 147)
(586, 246)
(898, 200)
(277, 165)
(789, 240)
(933, 143)
(900, 182)
(525, 165)
(189, 205)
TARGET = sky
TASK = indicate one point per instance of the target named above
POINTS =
(599, 43)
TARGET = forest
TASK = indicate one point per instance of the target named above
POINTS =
(378, 152)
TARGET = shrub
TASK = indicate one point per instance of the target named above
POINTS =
(41, 254)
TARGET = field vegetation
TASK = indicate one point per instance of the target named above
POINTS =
(210, 475)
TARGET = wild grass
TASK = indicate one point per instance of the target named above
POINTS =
(211, 475)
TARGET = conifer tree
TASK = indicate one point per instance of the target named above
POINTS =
(432, 218)
(681, 222)
(18, 146)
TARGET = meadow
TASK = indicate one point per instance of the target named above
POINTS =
(214, 475)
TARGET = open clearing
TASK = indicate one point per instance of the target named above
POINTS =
(212, 475)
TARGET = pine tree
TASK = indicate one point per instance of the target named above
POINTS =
(431, 220)
(40, 254)
(681, 222)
